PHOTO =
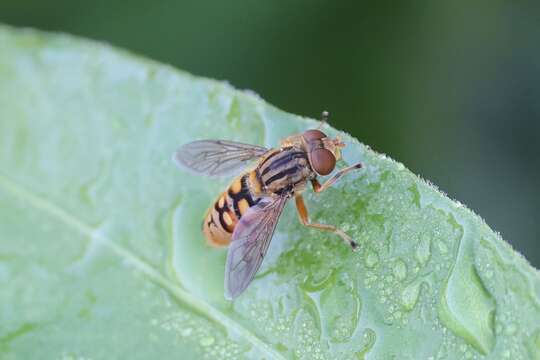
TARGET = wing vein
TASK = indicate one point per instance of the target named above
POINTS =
(250, 241)
(216, 157)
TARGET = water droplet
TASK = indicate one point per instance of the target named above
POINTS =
(443, 248)
(368, 340)
(409, 296)
(466, 307)
(400, 269)
(423, 250)
(318, 279)
(371, 259)
(511, 329)
(186, 332)
(207, 341)
(340, 311)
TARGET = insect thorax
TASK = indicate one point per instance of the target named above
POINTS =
(285, 170)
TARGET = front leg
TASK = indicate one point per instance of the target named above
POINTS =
(317, 187)
(304, 219)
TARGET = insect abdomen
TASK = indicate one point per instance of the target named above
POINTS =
(222, 217)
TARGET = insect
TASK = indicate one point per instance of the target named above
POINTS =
(246, 214)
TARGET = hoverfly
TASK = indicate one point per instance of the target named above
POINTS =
(246, 214)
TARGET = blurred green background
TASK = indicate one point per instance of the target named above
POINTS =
(451, 89)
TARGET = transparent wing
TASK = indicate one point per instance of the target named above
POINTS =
(216, 157)
(249, 244)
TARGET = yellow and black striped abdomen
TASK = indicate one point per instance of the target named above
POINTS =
(222, 217)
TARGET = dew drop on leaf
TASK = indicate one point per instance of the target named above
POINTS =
(372, 258)
(369, 338)
(340, 311)
(207, 341)
(423, 250)
(400, 269)
(409, 296)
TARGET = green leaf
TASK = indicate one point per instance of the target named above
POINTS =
(101, 254)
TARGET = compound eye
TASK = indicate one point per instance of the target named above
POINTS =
(313, 134)
(323, 161)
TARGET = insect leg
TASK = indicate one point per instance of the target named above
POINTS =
(317, 187)
(304, 219)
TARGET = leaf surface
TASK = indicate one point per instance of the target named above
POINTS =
(101, 253)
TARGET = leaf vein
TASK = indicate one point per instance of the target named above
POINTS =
(183, 296)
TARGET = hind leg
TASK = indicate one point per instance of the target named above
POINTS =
(304, 219)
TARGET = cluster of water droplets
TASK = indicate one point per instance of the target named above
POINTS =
(401, 259)
(272, 318)
(313, 314)
(517, 332)
(201, 335)
(396, 263)
(414, 265)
